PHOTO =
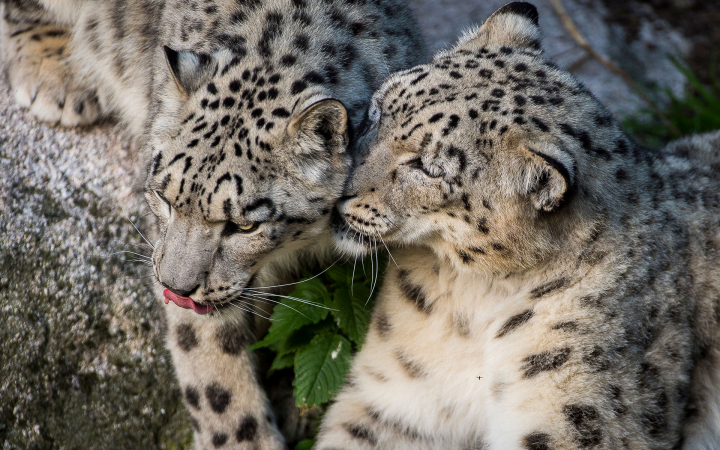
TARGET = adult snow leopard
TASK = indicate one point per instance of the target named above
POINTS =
(555, 287)
(244, 110)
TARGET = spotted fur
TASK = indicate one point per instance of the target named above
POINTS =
(555, 286)
(245, 111)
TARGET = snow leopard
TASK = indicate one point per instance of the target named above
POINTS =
(245, 112)
(552, 284)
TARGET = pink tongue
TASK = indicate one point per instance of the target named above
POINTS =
(186, 302)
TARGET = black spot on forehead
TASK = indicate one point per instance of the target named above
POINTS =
(436, 117)
(419, 78)
(297, 87)
(264, 202)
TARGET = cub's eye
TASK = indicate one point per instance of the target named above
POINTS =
(416, 164)
(233, 228)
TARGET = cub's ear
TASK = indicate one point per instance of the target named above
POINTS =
(321, 128)
(513, 25)
(547, 177)
(189, 70)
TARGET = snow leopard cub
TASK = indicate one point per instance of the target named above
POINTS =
(555, 286)
(245, 111)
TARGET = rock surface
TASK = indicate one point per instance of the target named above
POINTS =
(82, 359)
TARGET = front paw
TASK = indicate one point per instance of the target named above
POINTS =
(42, 80)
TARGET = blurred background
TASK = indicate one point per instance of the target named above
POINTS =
(82, 359)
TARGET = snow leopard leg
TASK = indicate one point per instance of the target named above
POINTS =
(36, 47)
(222, 391)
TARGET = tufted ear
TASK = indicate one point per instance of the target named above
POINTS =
(321, 128)
(189, 70)
(548, 176)
(513, 25)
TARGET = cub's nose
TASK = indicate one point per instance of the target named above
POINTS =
(342, 201)
(180, 292)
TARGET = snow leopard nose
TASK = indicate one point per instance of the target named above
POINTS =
(186, 256)
(342, 201)
(182, 293)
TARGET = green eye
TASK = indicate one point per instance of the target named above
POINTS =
(247, 227)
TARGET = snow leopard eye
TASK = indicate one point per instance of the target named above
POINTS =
(416, 164)
(244, 228)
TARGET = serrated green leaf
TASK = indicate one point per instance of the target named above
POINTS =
(282, 361)
(305, 444)
(338, 273)
(320, 369)
(291, 315)
(301, 338)
(313, 290)
(352, 311)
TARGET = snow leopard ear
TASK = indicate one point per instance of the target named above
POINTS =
(189, 70)
(547, 176)
(513, 25)
(321, 128)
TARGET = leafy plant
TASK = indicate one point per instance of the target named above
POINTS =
(697, 111)
(317, 327)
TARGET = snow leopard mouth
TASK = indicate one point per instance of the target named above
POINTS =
(349, 238)
(186, 302)
(202, 308)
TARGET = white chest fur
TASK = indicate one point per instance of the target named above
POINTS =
(433, 360)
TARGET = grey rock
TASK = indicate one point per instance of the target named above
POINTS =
(82, 359)
(644, 58)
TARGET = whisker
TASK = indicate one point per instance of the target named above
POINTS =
(248, 307)
(307, 302)
(136, 229)
(141, 245)
(362, 261)
(144, 263)
(246, 310)
(298, 282)
(288, 306)
(374, 275)
(134, 253)
(255, 297)
(352, 279)
(388, 250)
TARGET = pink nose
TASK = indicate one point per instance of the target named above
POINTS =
(186, 302)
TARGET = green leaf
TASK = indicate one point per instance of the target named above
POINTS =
(352, 311)
(312, 290)
(291, 315)
(282, 361)
(301, 338)
(338, 273)
(305, 444)
(320, 369)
